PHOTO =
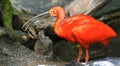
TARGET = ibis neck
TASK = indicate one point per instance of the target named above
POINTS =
(60, 19)
(58, 24)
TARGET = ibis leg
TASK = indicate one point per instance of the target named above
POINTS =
(80, 53)
(87, 57)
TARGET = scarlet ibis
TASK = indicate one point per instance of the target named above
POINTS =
(80, 28)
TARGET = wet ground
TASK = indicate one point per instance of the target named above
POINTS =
(108, 61)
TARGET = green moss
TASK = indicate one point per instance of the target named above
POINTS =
(7, 14)
(1, 32)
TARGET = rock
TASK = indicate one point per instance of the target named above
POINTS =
(44, 46)
(85, 6)
(113, 5)
(12, 54)
(19, 36)
(37, 6)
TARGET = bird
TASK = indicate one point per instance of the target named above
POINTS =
(82, 29)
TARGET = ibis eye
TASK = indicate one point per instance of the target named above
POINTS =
(54, 11)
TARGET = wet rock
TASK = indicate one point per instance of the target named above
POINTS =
(44, 46)
(113, 5)
(19, 36)
(37, 6)
(85, 6)
(12, 54)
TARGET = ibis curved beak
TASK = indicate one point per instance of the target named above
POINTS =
(42, 14)
(29, 21)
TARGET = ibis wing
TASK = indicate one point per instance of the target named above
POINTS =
(85, 28)
(91, 33)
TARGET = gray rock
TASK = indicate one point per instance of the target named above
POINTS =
(37, 6)
(12, 54)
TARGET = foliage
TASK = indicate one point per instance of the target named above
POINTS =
(1, 32)
(7, 13)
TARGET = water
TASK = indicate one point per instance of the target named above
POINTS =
(108, 61)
